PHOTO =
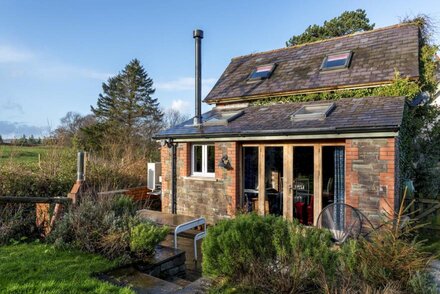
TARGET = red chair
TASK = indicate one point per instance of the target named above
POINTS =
(310, 212)
(299, 211)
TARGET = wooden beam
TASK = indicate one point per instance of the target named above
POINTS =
(31, 199)
(317, 182)
(288, 181)
(261, 179)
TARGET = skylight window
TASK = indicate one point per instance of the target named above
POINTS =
(223, 118)
(262, 72)
(313, 112)
(336, 61)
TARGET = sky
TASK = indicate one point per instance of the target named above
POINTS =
(55, 55)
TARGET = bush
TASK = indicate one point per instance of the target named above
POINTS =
(267, 254)
(145, 236)
(88, 226)
(108, 226)
(271, 255)
(17, 222)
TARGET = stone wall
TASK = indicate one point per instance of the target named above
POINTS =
(213, 198)
(371, 180)
(371, 183)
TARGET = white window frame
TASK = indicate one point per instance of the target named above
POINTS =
(204, 172)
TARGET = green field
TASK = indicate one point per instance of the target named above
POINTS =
(41, 268)
(21, 154)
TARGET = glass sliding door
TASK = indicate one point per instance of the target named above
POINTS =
(303, 184)
(273, 180)
(333, 185)
(250, 179)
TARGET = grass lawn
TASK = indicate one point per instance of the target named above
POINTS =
(21, 154)
(40, 268)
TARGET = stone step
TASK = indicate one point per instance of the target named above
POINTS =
(139, 282)
(179, 281)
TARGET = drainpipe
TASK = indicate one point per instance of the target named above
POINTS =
(174, 179)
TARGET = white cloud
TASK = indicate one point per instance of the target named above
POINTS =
(24, 63)
(181, 105)
(185, 84)
(10, 54)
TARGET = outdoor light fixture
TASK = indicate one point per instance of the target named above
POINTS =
(224, 162)
(166, 142)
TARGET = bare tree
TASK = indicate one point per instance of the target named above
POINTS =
(174, 117)
(71, 125)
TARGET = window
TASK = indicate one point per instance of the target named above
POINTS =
(262, 72)
(203, 160)
(223, 118)
(336, 61)
(313, 112)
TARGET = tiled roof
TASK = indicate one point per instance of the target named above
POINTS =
(376, 56)
(349, 115)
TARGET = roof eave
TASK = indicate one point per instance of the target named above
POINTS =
(290, 132)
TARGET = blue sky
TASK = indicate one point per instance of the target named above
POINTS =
(54, 55)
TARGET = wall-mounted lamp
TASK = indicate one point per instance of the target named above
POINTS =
(224, 162)
(166, 142)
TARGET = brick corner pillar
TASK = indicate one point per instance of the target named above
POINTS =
(351, 176)
(165, 159)
(387, 178)
(230, 177)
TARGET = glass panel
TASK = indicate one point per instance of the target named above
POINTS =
(197, 160)
(337, 62)
(250, 178)
(260, 74)
(303, 175)
(211, 159)
(328, 175)
(274, 179)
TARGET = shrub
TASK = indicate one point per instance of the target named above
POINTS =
(92, 226)
(145, 236)
(267, 254)
(123, 205)
(108, 226)
(271, 255)
(231, 245)
(17, 222)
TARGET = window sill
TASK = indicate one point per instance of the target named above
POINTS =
(200, 178)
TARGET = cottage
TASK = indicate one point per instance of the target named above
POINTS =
(293, 159)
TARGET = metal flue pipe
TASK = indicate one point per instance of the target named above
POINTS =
(198, 36)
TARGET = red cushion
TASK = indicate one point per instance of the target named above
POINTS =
(299, 211)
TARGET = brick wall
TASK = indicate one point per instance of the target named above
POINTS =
(214, 198)
(371, 183)
(371, 180)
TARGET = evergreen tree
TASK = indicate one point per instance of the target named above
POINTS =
(1, 139)
(348, 22)
(126, 106)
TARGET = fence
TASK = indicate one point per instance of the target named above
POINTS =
(141, 195)
(44, 216)
(425, 210)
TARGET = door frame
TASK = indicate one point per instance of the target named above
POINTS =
(288, 164)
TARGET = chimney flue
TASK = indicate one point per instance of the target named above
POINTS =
(198, 36)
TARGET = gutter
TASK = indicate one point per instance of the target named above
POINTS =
(316, 133)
